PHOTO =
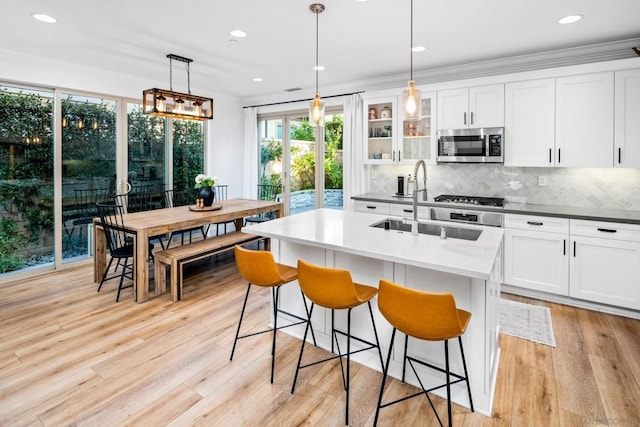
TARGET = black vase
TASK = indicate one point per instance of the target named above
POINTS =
(208, 194)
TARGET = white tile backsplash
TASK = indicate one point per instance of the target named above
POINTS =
(611, 188)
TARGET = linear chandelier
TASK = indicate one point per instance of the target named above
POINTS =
(177, 105)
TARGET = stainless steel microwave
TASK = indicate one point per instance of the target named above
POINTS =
(483, 145)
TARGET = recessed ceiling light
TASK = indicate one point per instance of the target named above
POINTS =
(570, 19)
(319, 67)
(238, 33)
(418, 49)
(257, 79)
(44, 18)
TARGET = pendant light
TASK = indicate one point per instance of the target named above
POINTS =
(176, 105)
(411, 97)
(316, 107)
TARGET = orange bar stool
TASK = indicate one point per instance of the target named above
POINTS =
(260, 269)
(430, 316)
(333, 289)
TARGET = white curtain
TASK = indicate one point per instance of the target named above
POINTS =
(250, 166)
(353, 149)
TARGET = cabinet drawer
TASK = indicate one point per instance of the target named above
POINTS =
(371, 207)
(396, 209)
(607, 230)
(547, 224)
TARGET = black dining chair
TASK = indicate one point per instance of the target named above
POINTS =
(85, 210)
(124, 200)
(120, 245)
(265, 192)
(221, 195)
(169, 203)
(139, 198)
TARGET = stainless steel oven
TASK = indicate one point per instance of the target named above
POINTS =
(483, 145)
(464, 210)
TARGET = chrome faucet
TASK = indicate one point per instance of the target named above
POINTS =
(416, 190)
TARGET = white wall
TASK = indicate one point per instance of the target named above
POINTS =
(225, 132)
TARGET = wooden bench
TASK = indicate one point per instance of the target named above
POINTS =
(177, 257)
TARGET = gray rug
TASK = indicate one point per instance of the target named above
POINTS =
(531, 322)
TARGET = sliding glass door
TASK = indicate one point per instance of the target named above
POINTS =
(88, 168)
(302, 169)
(288, 153)
(333, 165)
(67, 144)
(26, 179)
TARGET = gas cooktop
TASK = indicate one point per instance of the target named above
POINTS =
(471, 200)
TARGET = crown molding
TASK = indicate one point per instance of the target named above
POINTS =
(602, 52)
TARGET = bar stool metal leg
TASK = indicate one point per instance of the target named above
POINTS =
(244, 305)
(385, 370)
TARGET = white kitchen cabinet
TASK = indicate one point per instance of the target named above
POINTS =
(390, 140)
(476, 107)
(418, 139)
(406, 211)
(530, 123)
(605, 263)
(380, 130)
(536, 253)
(380, 208)
(584, 120)
(627, 119)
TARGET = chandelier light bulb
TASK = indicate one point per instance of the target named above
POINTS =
(179, 106)
(160, 103)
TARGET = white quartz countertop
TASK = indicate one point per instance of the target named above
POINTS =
(350, 232)
(592, 214)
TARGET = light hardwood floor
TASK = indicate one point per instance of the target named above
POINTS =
(72, 356)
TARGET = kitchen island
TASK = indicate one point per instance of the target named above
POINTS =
(470, 270)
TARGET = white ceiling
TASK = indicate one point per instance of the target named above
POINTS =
(358, 40)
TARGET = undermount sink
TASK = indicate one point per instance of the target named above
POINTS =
(432, 229)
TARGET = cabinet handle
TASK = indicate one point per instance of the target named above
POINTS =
(472, 117)
(564, 247)
(399, 159)
(558, 155)
(407, 210)
(535, 223)
(619, 155)
(372, 207)
(549, 155)
(465, 118)
(574, 248)
(394, 156)
(607, 230)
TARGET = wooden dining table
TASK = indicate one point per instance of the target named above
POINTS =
(142, 225)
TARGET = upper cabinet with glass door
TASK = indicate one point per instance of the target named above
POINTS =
(380, 130)
(418, 136)
(390, 140)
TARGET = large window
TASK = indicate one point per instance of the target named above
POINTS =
(80, 169)
(188, 159)
(26, 179)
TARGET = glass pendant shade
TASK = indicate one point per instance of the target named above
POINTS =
(316, 111)
(411, 103)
